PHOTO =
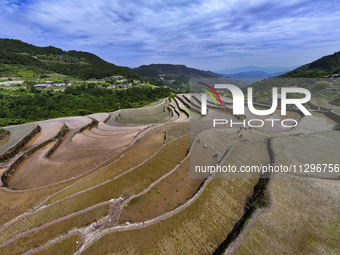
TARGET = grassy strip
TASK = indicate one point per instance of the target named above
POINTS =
(59, 137)
(18, 146)
(44, 235)
(67, 246)
(129, 184)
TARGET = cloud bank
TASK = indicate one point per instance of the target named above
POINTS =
(211, 34)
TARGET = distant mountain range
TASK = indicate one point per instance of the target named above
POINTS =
(254, 74)
(265, 69)
(175, 76)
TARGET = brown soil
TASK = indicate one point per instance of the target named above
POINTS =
(146, 147)
(37, 171)
(49, 129)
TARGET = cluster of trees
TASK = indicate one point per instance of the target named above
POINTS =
(81, 100)
(328, 63)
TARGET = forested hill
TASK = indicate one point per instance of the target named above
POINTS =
(168, 69)
(18, 55)
(323, 67)
(172, 75)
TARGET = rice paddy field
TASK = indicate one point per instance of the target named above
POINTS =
(125, 183)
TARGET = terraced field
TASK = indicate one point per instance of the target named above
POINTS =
(153, 114)
(125, 183)
(304, 219)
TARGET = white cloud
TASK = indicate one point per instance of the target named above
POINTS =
(156, 28)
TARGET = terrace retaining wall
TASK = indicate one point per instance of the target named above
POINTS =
(3, 133)
(59, 137)
(188, 106)
(257, 200)
(183, 111)
(11, 152)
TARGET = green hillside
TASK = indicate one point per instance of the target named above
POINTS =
(320, 77)
(323, 67)
(22, 59)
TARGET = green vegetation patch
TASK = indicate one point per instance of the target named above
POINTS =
(73, 101)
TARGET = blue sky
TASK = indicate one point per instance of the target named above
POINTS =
(205, 34)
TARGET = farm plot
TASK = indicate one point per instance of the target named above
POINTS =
(114, 128)
(201, 226)
(318, 122)
(252, 153)
(64, 247)
(155, 114)
(177, 131)
(14, 204)
(139, 152)
(303, 219)
(38, 171)
(97, 141)
(100, 117)
(50, 232)
(165, 196)
(68, 151)
(198, 229)
(17, 134)
(316, 149)
(214, 143)
(107, 134)
(49, 129)
(131, 183)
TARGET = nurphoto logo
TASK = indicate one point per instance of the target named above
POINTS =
(239, 101)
